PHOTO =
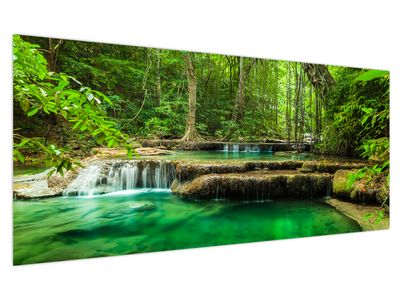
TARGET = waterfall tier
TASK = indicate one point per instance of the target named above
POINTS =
(246, 148)
(122, 175)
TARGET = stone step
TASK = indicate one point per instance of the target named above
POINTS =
(255, 185)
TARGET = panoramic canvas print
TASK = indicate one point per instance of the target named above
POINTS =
(124, 149)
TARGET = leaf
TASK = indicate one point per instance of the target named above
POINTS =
(365, 119)
(25, 105)
(110, 143)
(368, 216)
(19, 156)
(129, 153)
(43, 92)
(89, 96)
(97, 100)
(23, 142)
(372, 74)
(385, 164)
(33, 111)
(367, 110)
(373, 120)
(77, 124)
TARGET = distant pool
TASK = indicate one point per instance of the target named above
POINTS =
(237, 156)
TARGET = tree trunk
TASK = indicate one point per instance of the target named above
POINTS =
(302, 108)
(317, 117)
(296, 106)
(191, 133)
(238, 109)
(319, 77)
(158, 79)
(52, 54)
(276, 95)
(288, 103)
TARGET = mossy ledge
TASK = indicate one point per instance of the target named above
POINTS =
(359, 191)
(257, 185)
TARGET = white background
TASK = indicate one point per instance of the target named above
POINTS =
(350, 266)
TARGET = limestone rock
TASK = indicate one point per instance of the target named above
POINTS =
(358, 192)
(327, 166)
(357, 212)
(255, 185)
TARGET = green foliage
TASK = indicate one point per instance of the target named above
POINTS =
(375, 217)
(38, 91)
(358, 113)
(372, 74)
(168, 120)
(142, 92)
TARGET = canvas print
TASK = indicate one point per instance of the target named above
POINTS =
(124, 149)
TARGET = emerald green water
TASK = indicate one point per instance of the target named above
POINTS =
(146, 220)
(234, 156)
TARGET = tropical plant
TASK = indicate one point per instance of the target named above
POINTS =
(38, 91)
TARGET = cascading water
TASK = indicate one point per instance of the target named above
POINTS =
(122, 175)
(146, 179)
(252, 148)
(85, 183)
(235, 148)
(269, 148)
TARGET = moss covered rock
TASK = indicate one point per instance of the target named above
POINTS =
(187, 171)
(326, 166)
(255, 185)
(357, 192)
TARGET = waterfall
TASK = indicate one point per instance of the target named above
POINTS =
(122, 175)
(235, 148)
(146, 180)
(85, 183)
(252, 148)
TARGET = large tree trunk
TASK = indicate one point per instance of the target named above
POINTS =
(158, 79)
(319, 77)
(296, 106)
(191, 133)
(238, 110)
(288, 104)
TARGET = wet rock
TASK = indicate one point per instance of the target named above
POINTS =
(357, 192)
(357, 212)
(59, 182)
(255, 185)
(331, 166)
(35, 186)
(383, 195)
(186, 171)
(34, 189)
(109, 153)
(148, 151)
(285, 153)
